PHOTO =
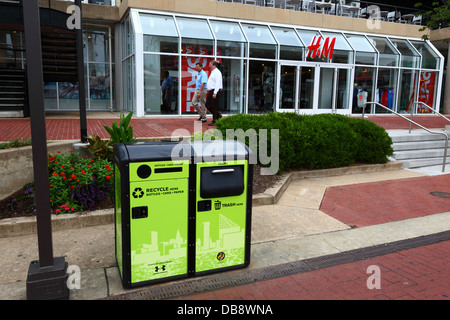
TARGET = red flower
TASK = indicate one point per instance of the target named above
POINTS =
(82, 171)
(62, 173)
(55, 174)
(108, 177)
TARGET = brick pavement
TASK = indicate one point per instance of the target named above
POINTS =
(415, 274)
(68, 128)
(380, 202)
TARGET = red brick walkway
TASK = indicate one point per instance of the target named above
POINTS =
(379, 202)
(415, 274)
(69, 129)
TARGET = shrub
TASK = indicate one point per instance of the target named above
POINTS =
(123, 132)
(317, 141)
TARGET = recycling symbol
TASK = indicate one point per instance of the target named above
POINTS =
(138, 193)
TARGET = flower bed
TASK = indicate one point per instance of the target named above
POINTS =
(77, 183)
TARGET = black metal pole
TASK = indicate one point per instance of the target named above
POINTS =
(47, 276)
(81, 83)
(38, 132)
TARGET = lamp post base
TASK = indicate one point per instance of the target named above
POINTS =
(48, 283)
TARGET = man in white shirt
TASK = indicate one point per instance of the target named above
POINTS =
(214, 87)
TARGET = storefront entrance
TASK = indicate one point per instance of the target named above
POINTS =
(314, 88)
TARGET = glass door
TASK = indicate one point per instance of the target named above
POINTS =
(306, 99)
(334, 89)
(287, 98)
(297, 89)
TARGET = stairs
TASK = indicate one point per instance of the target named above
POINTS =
(12, 90)
(59, 56)
(419, 148)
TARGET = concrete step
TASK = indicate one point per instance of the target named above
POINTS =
(425, 162)
(418, 145)
(416, 136)
(419, 154)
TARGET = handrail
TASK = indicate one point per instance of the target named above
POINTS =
(420, 126)
(430, 108)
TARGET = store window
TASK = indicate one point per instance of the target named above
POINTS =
(160, 33)
(309, 38)
(342, 51)
(230, 39)
(386, 89)
(12, 51)
(365, 52)
(262, 43)
(99, 73)
(196, 36)
(363, 88)
(408, 92)
(388, 54)
(233, 79)
(261, 86)
(161, 84)
(410, 58)
(197, 45)
(427, 90)
(291, 47)
(430, 59)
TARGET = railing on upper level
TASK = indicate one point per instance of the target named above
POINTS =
(100, 2)
(419, 125)
(349, 8)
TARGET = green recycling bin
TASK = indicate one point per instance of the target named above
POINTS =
(223, 205)
(181, 210)
(151, 213)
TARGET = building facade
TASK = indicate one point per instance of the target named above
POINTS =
(271, 58)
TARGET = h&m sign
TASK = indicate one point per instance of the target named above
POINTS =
(319, 50)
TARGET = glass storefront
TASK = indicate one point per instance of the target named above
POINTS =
(272, 67)
(99, 70)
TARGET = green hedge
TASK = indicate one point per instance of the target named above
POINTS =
(317, 141)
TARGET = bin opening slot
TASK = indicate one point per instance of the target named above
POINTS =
(221, 181)
(167, 170)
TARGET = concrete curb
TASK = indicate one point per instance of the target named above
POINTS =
(27, 225)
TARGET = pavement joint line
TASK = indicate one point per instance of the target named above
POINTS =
(230, 279)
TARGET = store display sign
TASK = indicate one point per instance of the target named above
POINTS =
(316, 48)
(189, 75)
(426, 93)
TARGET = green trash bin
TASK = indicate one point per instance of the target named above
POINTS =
(223, 205)
(151, 213)
(184, 215)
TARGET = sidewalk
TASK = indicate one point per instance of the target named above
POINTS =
(295, 239)
(316, 242)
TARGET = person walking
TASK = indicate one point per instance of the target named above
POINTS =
(214, 87)
(200, 92)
